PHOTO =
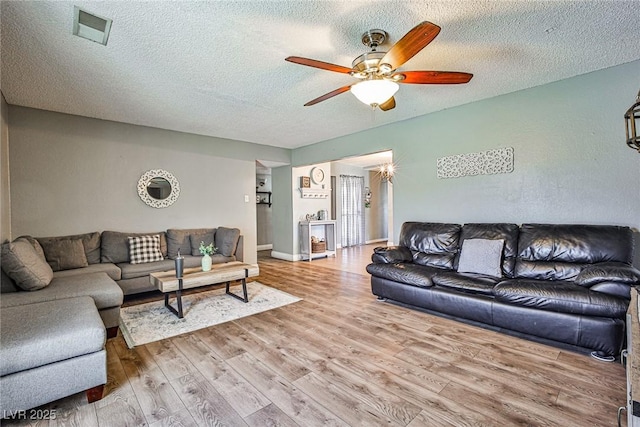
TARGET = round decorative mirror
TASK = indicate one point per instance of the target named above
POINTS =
(158, 188)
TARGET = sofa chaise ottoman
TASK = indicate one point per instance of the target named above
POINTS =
(50, 350)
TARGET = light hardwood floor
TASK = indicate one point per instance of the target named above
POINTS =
(339, 357)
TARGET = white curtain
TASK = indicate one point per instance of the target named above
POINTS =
(352, 195)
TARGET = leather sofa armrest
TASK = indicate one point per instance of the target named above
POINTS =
(608, 272)
(391, 255)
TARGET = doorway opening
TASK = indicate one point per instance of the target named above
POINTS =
(363, 199)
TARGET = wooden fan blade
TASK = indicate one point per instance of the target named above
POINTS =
(328, 95)
(412, 42)
(318, 64)
(389, 105)
(433, 77)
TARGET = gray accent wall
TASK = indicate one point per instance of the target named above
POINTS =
(73, 174)
(571, 161)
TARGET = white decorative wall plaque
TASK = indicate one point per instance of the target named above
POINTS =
(488, 162)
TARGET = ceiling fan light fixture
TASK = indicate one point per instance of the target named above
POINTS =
(374, 92)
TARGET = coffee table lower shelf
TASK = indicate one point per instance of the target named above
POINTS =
(166, 281)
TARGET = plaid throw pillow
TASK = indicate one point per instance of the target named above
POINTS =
(144, 249)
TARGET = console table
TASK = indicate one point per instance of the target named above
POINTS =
(326, 229)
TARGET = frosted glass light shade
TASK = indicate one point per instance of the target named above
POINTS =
(374, 92)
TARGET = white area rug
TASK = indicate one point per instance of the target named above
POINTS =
(152, 321)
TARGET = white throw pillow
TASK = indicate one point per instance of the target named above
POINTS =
(481, 256)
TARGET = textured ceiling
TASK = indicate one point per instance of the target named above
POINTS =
(217, 68)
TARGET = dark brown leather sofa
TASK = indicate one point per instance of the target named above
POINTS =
(567, 285)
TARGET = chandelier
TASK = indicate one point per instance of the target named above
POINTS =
(386, 172)
(632, 121)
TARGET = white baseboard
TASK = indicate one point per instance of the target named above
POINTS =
(368, 242)
(287, 257)
(264, 247)
(284, 256)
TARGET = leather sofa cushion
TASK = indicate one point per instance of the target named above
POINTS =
(608, 272)
(434, 260)
(559, 296)
(612, 288)
(547, 270)
(465, 282)
(494, 231)
(391, 255)
(582, 244)
(115, 245)
(432, 244)
(411, 274)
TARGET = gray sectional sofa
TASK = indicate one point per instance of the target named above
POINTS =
(60, 301)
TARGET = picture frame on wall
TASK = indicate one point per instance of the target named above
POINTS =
(305, 182)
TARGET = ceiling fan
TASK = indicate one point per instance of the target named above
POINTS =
(378, 71)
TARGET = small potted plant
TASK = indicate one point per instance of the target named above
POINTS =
(207, 251)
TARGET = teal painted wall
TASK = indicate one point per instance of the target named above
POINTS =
(571, 163)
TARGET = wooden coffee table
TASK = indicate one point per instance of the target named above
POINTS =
(166, 281)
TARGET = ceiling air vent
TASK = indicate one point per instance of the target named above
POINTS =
(90, 27)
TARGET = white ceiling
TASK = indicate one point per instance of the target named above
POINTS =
(217, 67)
(369, 161)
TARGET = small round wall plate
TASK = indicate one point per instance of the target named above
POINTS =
(317, 175)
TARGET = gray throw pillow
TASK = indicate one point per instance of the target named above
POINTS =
(207, 237)
(227, 240)
(7, 284)
(65, 254)
(115, 245)
(36, 245)
(90, 241)
(481, 256)
(179, 239)
(25, 266)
